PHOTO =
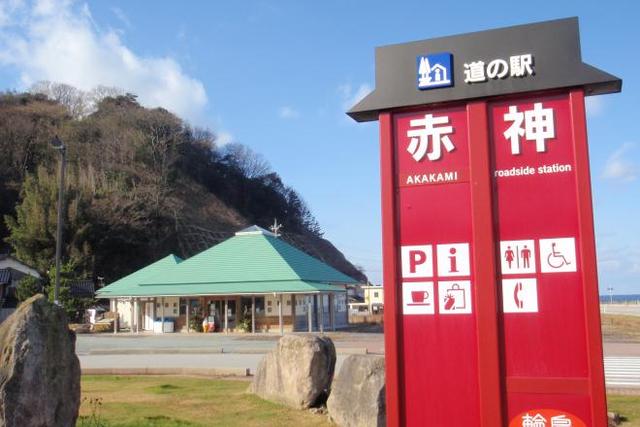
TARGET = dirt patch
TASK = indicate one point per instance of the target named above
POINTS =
(620, 328)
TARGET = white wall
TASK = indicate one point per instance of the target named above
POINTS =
(123, 308)
(271, 302)
(172, 309)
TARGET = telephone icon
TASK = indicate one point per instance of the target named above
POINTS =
(520, 295)
(516, 295)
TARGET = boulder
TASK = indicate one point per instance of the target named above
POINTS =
(614, 419)
(297, 373)
(39, 370)
(357, 394)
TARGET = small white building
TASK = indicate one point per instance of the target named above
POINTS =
(373, 301)
(11, 272)
(253, 281)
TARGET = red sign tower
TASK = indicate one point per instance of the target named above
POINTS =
(491, 297)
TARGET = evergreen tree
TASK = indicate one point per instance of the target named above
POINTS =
(27, 287)
(33, 230)
(74, 307)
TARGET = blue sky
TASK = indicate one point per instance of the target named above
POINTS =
(278, 77)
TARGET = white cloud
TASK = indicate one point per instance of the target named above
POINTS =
(619, 258)
(620, 166)
(57, 40)
(122, 17)
(288, 113)
(351, 96)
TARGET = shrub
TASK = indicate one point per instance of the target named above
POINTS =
(27, 287)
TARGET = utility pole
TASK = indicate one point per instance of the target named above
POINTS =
(57, 144)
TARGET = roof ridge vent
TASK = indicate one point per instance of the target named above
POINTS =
(254, 230)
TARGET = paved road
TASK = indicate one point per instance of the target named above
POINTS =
(622, 371)
(211, 343)
(173, 351)
(628, 309)
(125, 351)
(242, 343)
(175, 361)
(621, 349)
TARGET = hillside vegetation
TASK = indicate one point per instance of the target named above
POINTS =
(140, 183)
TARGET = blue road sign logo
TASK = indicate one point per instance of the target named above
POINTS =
(434, 70)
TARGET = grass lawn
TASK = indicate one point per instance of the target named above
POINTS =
(626, 405)
(140, 401)
(145, 401)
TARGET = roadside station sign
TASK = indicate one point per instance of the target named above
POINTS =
(491, 296)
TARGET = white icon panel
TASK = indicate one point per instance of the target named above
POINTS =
(517, 256)
(418, 298)
(519, 296)
(453, 260)
(558, 255)
(417, 261)
(454, 297)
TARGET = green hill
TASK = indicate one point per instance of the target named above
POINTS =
(141, 183)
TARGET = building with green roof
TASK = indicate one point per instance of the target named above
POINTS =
(252, 281)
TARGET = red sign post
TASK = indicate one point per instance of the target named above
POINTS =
(491, 297)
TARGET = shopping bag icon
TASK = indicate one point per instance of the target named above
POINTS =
(455, 298)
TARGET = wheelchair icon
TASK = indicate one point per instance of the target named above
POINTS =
(556, 259)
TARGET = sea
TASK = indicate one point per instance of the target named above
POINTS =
(620, 299)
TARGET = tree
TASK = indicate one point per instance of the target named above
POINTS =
(73, 306)
(27, 287)
(32, 232)
(79, 103)
(250, 163)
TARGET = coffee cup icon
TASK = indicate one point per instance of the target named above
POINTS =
(419, 297)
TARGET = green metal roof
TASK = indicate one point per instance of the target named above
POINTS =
(250, 258)
(229, 288)
(135, 278)
(252, 262)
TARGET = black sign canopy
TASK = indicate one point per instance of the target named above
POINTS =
(552, 47)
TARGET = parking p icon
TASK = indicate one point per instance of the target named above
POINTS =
(417, 261)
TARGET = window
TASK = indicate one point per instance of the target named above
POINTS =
(245, 305)
(375, 294)
(259, 304)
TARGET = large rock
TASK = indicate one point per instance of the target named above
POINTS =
(298, 372)
(39, 370)
(357, 394)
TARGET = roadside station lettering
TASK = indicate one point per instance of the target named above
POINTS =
(546, 418)
(429, 129)
(517, 66)
(529, 170)
(432, 178)
(538, 126)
